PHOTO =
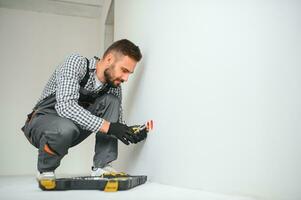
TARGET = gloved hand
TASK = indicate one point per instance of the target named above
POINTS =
(138, 134)
(122, 132)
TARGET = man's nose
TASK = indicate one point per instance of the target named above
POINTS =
(125, 77)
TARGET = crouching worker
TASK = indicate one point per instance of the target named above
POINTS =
(81, 97)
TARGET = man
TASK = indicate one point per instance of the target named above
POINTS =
(81, 97)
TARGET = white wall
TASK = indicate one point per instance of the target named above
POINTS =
(31, 46)
(221, 79)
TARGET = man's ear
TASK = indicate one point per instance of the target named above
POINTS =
(109, 59)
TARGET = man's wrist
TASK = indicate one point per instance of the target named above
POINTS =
(105, 127)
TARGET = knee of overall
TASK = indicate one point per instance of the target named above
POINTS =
(112, 100)
(66, 133)
(105, 103)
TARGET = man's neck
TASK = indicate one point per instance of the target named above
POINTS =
(100, 71)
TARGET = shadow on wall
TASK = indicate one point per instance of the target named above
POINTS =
(131, 157)
(134, 88)
(133, 153)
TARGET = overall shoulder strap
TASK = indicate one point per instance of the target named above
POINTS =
(86, 77)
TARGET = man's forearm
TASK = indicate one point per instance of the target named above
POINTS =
(105, 127)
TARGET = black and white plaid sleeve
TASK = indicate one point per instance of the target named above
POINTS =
(68, 77)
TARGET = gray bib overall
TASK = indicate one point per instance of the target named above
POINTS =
(44, 127)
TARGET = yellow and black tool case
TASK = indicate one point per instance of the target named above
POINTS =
(93, 183)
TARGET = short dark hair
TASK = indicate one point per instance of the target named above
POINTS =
(126, 48)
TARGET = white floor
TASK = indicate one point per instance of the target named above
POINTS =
(26, 188)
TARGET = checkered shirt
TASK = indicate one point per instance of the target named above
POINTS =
(64, 83)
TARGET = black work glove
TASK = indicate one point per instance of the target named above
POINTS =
(122, 132)
(138, 134)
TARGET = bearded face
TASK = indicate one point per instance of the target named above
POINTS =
(118, 70)
(111, 76)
